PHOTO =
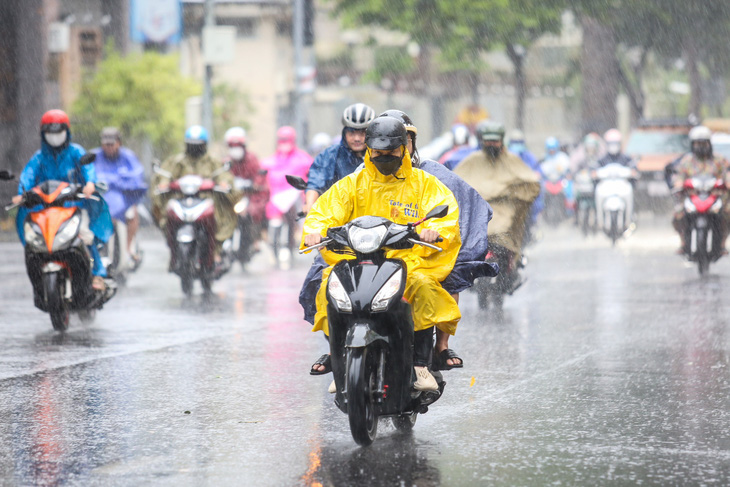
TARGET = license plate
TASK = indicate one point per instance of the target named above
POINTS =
(657, 188)
(701, 222)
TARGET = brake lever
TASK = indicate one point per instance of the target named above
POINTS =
(414, 241)
(323, 243)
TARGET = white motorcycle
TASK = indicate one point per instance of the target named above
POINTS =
(615, 199)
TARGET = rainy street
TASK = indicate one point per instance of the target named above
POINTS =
(609, 366)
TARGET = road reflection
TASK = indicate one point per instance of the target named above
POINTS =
(396, 459)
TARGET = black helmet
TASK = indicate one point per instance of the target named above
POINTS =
(489, 130)
(357, 116)
(386, 133)
(403, 117)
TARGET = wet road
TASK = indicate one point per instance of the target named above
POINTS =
(609, 367)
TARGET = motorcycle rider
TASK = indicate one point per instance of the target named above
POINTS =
(613, 140)
(196, 160)
(389, 186)
(337, 161)
(120, 169)
(59, 159)
(474, 216)
(245, 165)
(700, 160)
(506, 182)
(288, 159)
(461, 148)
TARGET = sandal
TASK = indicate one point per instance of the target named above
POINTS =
(323, 360)
(439, 360)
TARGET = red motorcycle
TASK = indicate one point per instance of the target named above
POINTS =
(191, 229)
(703, 202)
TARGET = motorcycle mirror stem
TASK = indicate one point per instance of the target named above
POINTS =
(439, 212)
(296, 182)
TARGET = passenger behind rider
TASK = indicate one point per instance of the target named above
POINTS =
(196, 160)
(388, 184)
(59, 159)
(245, 165)
(338, 161)
(699, 161)
(120, 169)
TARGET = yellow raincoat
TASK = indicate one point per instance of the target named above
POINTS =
(403, 200)
(510, 187)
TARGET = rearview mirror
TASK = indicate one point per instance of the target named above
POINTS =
(6, 176)
(87, 158)
(296, 182)
(439, 212)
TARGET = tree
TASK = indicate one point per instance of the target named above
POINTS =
(143, 95)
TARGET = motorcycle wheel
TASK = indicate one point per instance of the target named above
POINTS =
(482, 289)
(614, 228)
(361, 374)
(405, 422)
(206, 284)
(703, 259)
(53, 285)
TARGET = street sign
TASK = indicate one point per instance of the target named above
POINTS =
(219, 44)
(59, 37)
(307, 79)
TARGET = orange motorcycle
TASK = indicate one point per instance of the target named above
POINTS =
(57, 259)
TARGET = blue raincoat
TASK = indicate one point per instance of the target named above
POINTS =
(64, 166)
(474, 215)
(458, 156)
(125, 178)
(331, 165)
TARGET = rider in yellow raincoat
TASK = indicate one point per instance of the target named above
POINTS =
(389, 186)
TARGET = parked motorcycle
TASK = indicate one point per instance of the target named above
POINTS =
(703, 201)
(615, 199)
(57, 259)
(492, 290)
(371, 327)
(191, 228)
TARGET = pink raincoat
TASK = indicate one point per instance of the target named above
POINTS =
(282, 196)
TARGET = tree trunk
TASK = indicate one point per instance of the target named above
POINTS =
(518, 61)
(600, 77)
(695, 100)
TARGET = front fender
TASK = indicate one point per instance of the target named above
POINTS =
(362, 335)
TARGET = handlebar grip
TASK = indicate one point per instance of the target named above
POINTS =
(440, 239)
(301, 214)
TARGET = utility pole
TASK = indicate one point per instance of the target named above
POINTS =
(298, 33)
(207, 109)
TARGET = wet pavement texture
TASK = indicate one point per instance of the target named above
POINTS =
(608, 367)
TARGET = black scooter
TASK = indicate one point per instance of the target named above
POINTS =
(371, 328)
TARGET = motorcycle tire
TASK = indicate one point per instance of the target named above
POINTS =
(481, 286)
(405, 422)
(53, 286)
(703, 258)
(613, 233)
(361, 377)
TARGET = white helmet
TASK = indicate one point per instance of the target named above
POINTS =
(358, 116)
(700, 132)
(235, 135)
(320, 142)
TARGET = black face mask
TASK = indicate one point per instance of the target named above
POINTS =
(702, 150)
(388, 164)
(492, 151)
(196, 150)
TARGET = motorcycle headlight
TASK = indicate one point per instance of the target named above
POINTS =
(338, 294)
(688, 206)
(391, 286)
(67, 233)
(241, 206)
(366, 240)
(33, 238)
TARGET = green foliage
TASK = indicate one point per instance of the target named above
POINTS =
(390, 62)
(142, 94)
